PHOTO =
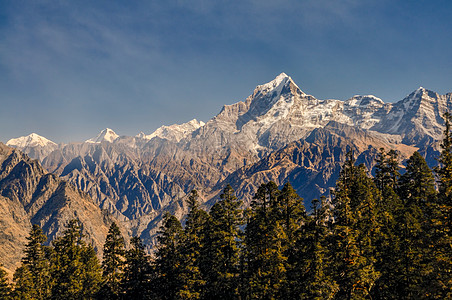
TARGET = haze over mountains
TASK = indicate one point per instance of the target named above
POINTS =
(278, 133)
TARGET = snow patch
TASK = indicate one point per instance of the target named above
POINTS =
(106, 135)
(31, 140)
(174, 132)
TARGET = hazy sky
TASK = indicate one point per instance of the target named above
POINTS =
(68, 69)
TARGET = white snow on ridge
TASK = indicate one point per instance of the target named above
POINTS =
(106, 135)
(31, 140)
(173, 132)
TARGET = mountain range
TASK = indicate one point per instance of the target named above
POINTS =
(278, 133)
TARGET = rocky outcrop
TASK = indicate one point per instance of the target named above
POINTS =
(312, 165)
(30, 195)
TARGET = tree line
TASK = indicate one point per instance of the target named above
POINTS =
(381, 237)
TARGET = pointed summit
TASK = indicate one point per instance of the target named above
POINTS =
(280, 80)
(31, 140)
(106, 135)
(281, 84)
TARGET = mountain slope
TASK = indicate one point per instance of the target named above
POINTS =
(312, 165)
(35, 145)
(106, 135)
(417, 118)
(278, 133)
(30, 195)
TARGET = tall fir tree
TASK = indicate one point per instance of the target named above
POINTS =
(289, 212)
(264, 235)
(191, 249)
(310, 276)
(355, 231)
(92, 272)
(417, 191)
(389, 207)
(74, 265)
(222, 244)
(137, 271)
(441, 225)
(113, 264)
(168, 283)
(33, 278)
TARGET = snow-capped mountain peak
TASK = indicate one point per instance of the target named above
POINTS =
(174, 132)
(280, 79)
(106, 135)
(32, 140)
(276, 86)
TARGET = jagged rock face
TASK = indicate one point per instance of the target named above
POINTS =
(116, 178)
(30, 195)
(312, 165)
(417, 118)
(278, 133)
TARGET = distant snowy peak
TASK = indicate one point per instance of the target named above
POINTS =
(106, 135)
(174, 132)
(364, 101)
(32, 140)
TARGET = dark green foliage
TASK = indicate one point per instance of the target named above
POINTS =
(191, 249)
(5, 287)
(264, 238)
(355, 231)
(310, 276)
(91, 272)
(416, 191)
(168, 262)
(136, 278)
(441, 220)
(33, 279)
(75, 268)
(113, 264)
(221, 254)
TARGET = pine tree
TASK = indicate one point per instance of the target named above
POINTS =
(192, 247)
(289, 212)
(386, 170)
(389, 207)
(73, 265)
(137, 271)
(5, 287)
(91, 272)
(264, 235)
(33, 277)
(416, 190)
(441, 225)
(355, 231)
(221, 261)
(113, 263)
(310, 276)
(169, 260)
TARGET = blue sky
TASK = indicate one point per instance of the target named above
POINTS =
(71, 68)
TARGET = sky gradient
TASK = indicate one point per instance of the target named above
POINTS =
(69, 69)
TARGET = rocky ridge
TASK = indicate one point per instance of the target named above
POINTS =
(277, 133)
(31, 195)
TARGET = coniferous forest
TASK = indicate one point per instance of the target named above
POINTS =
(381, 237)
